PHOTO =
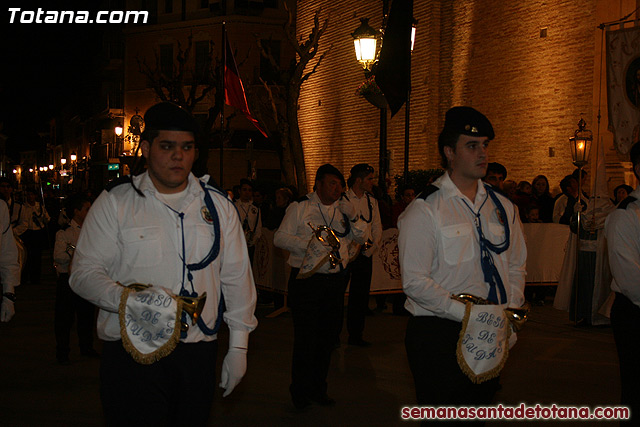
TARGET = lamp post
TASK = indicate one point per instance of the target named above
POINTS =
(580, 144)
(407, 110)
(365, 40)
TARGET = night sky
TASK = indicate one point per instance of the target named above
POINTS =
(45, 69)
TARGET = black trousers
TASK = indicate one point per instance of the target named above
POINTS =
(431, 349)
(69, 306)
(317, 309)
(359, 288)
(625, 318)
(176, 390)
(34, 241)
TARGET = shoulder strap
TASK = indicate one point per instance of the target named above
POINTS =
(428, 191)
(626, 202)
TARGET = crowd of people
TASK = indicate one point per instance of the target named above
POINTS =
(461, 252)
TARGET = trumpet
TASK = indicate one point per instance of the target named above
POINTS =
(70, 250)
(517, 315)
(331, 239)
(367, 245)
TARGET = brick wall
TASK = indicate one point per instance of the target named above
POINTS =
(484, 53)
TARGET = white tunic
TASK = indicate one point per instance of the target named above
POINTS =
(65, 238)
(253, 226)
(294, 232)
(367, 208)
(9, 269)
(440, 250)
(129, 239)
(622, 228)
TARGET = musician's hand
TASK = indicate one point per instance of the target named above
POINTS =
(347, 208)
(7, 310)
(234, 367)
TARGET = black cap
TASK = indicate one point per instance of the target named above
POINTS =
(467, 121)
(169, 116)
(329, 169)
(361, 169)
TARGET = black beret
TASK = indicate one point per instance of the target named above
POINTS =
(361, 169)
(329, 169)
(169, 116)
(467, 121)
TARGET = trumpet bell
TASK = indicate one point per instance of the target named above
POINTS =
(193, 306)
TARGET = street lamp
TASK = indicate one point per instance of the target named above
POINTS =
(580, 144)
(118, 130)
(63, 161)
(365, 40)
(73, 157)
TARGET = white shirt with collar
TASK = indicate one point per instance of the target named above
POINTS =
(440, 250)
(294, 232)
(622, 228)
(64, 238)
(9, 268)
(34, 216)
(367, 208)
(250, 212)
(128, 238)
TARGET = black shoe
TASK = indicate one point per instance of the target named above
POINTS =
(323, 400)
(359, 342)
(90, 353)
(300, 402)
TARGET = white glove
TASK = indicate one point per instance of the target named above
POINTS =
(234, 367)
(347, 208)
(513, 338)
(7, 310)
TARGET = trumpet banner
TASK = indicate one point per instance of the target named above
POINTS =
(623, 86)
(483, 344)
(149, 323)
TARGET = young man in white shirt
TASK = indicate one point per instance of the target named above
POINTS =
(317, 297)
(458, 236)
(360, 185)
(69, 305)
(169, 229)
(622, 228)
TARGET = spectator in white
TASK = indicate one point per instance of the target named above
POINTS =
(167, 228)
(359, 194)
(622, 228)
(68, 304)
(9, 269)
(459, 236)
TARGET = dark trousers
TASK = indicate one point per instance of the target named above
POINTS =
(69, 306)
(431, 350)
(625, 318)
(34, 241)
(317, 309)
(359, 287)
(176, 390)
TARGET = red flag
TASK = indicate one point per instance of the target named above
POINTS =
(234, 90)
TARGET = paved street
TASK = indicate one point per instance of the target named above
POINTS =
(552, 362)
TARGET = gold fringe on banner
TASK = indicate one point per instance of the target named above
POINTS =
(165, 350)
(493, 373)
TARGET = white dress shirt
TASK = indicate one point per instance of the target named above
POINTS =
(367, 208)
(128, 238)
(9, 269)
(294, 232)
(440, 250)
(64, 238)
(622, 228)
(250, 212)
(34, 216)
